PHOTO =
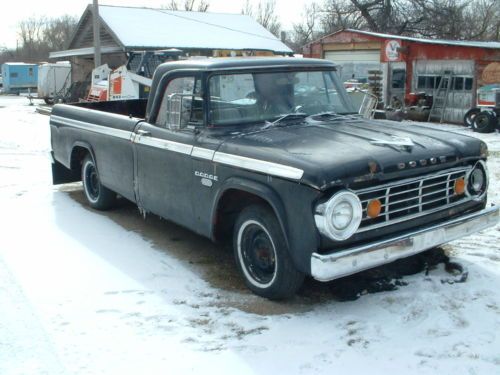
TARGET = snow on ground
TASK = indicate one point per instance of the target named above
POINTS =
(82, 294)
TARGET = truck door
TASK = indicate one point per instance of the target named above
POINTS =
(163, 167)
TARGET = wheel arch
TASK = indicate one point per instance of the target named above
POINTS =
(78, 152)
(243, 192)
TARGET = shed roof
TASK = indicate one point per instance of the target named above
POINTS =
(18, 63)
(460, 43)
(148, 28)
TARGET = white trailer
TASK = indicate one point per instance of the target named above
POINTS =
(54, 81)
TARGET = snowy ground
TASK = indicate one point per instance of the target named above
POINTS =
(82, 292)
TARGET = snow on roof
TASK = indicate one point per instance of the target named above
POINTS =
(462, 43)
(153, 28)
(18, 63)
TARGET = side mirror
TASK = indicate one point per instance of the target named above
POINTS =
(178, 110)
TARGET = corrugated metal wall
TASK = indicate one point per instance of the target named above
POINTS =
(461, 97)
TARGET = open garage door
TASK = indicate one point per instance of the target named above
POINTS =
(355, 64)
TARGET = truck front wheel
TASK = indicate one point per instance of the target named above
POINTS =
(98, 196)
(262, 255)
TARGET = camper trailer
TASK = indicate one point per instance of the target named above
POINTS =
(19, 77)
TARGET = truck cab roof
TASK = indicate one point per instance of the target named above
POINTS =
(242, 63)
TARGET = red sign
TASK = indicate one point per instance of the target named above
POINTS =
(392, 50)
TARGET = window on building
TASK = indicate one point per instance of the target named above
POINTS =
(431, 82)
(437, 81)
(426, 82)
(14, 75)
(458, 84)
(468, 83)
(398, 78)
(421, 82)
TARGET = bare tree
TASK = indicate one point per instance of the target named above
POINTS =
(445, 19)
(39, 36)
(477, 19)
(30, 32)
(337, 15)
(57, 31)
(188, 5)
(307, 30)
(265, 14)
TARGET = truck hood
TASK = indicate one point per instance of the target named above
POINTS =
(354, 150)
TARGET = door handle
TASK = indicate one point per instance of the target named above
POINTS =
(144, 133)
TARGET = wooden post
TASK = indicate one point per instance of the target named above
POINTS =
(97, 35)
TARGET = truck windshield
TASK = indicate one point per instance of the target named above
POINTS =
(257, 97)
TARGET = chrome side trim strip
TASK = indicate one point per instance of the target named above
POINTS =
(266, 167)
(270, 168)
(181, 148)
(203, 153)
(124, 134)
(326, 267)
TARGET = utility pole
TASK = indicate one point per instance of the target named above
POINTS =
(97, 35)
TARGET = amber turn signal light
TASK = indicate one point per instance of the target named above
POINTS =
(373, 208)
(459, 186)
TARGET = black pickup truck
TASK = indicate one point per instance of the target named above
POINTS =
(269, 154)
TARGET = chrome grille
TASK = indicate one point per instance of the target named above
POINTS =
(403, 200)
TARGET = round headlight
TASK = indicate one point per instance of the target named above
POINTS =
(340, 216)
(478, 180)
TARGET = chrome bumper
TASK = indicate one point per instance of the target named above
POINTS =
(326, 267)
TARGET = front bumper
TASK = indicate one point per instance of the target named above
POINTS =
(326, 267)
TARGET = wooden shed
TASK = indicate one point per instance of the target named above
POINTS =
(127, 29)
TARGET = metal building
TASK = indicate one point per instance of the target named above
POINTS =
(413, 65)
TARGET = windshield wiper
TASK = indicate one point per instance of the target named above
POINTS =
(336, 115)
(285, 117)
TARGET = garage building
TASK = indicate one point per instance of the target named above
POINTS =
(413, 65)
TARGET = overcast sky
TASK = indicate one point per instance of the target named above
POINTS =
(289, 11)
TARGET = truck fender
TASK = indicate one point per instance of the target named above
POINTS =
(80, 144)
(256, 188)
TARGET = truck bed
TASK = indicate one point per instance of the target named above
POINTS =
(133, 107)
(104, 129)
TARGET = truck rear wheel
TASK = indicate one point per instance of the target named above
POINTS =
(262, 255)
(98, 196)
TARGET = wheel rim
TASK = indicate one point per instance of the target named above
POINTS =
(92, 185)
(257, 254)
(469, 120)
